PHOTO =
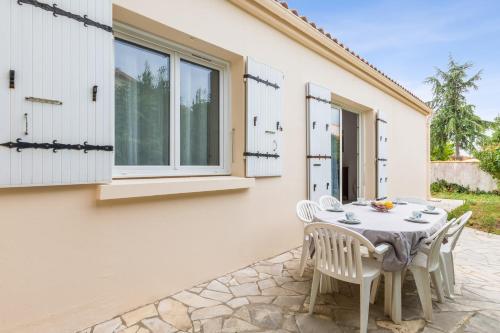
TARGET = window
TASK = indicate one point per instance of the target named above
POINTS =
(171, 109)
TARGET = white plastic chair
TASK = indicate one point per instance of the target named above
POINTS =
(327, 201)
(305, 212)
(425, 264)
(446, 259)
(338, 255)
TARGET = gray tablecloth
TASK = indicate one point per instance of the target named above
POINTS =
(390, 228)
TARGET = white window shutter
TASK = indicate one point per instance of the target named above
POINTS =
(56, 62)
(264, 108)
(382, 156)
(319, 116)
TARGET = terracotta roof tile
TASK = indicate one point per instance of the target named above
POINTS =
(335, 40)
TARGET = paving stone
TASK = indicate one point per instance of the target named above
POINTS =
(156, 325)
(480, 323)
(109, 326)
(248, 272)
(303, 288)
(291, 302)
(213, 325)
(243, 313)
(260, 299)
(278, 291)
(237, 302)
(411, 326)
(263, 276)
(287, 256)
(234, 325)
(139, 314)
(224, 279)
(266, 316)
(275, 269)
(196, 290)
(218, 286)
(247, 289)
(143, 330)
(268, 283)
(211, 312)
(175, 313)
(289, 324)
(88, 330)
(316, 324)
(246, 279)
(233, 282)
(196, 326)
(194, 300)
(215, 295)
(131, 329)
(350, 318)
(449, 321)
(282, 279)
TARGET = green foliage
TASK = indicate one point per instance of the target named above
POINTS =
(442, 186)
(454, 120)
(442, 153)
(489, 154)
(485, 209)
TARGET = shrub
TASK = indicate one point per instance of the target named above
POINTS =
(443, 186)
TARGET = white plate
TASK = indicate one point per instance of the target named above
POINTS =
(349, 221)
(355, 203)
(411, 219)
(433, 212)
(334, 210)
(400, 202)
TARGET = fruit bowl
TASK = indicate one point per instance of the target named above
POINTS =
(382, 206)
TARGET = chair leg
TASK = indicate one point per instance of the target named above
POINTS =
(314, 290)
(452, 268)
(364, 305)
(424, 290)
(304, 256)
(373, 293)
(446, 279)
(387, 293)
(396, 302)
(437, 282)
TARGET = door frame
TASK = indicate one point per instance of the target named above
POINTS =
(360, 150)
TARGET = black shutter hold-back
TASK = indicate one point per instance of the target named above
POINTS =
(56, 11)
(55, 146)
(94, 93)
(12, 79)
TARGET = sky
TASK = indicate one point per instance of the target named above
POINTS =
(408, 39)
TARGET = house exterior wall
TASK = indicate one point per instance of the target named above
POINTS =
(68, 260)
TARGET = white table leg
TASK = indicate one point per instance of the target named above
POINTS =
(396, 297)
(388, 294)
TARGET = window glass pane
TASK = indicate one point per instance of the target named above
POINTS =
(335, 137)
(142, 105)
(199, 127)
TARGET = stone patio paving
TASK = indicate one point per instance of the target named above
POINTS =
(268, 296)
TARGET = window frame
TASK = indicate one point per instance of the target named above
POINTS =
(177, 52)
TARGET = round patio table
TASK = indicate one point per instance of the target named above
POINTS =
(404, 238)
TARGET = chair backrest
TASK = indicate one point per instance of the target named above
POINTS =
(327, 201)
(306, 210)
(338, 251)
(456, 229)
(414, 200)
(435, 247)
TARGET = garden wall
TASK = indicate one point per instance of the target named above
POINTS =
(465, 173)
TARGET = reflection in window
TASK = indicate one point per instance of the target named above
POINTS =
(335, 137)
(142, 105)
(199, 126)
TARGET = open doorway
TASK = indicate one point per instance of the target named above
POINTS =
(350, 156)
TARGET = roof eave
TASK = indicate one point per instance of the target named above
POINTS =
(295, 27)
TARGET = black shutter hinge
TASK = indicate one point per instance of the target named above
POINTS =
(12, 79)
(255, 121)
(94, 93)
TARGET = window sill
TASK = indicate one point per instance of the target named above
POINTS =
(136, 188)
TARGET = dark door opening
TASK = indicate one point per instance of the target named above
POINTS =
(350, 156)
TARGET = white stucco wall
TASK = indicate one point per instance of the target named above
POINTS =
(465, 173)
(68, 260)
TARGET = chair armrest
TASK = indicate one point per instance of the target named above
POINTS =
(381, 249)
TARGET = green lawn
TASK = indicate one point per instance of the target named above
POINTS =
(485, 209)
